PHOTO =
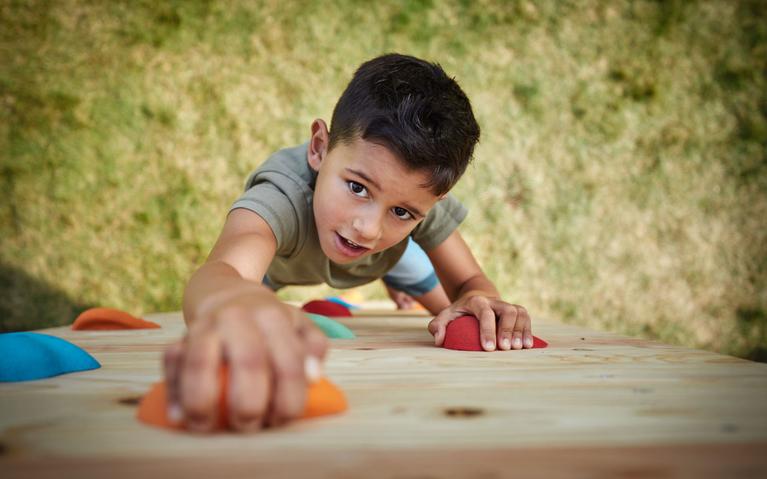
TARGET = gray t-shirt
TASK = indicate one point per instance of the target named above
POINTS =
(281, 191)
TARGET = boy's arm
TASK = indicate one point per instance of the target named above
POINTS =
(231, 317)
(473, 293)
(236, 264)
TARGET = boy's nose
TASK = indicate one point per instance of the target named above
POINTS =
(368, 229)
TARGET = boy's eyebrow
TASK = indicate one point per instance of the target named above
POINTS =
(412, 209)
(370, 180)
(364, 177)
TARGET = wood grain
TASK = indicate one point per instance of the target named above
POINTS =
(591, 404)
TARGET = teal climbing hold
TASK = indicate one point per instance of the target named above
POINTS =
(332, 329)
(26, 356)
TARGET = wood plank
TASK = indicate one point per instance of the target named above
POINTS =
(661, 461)
(590, 402)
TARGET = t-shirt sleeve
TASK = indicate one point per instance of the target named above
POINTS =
(273, 205)
(440, 222)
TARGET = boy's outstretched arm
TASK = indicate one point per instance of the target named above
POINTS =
(473, 293)
(231, 317)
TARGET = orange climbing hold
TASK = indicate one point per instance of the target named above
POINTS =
(323, 398)
(103, 319)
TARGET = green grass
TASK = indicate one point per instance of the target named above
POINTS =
(621, 181)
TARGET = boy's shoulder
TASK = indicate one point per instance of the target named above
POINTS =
(285, 164)
(280, 191)
(440, 222)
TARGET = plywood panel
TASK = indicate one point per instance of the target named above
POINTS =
(590, 402)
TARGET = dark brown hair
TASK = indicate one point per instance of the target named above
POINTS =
(413, 108)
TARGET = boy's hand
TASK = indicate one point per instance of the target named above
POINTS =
(271, 349)
(400, 298)
(500, 323)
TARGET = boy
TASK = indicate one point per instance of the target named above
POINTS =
(341, 210)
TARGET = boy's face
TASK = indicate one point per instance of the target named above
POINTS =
(365, 199)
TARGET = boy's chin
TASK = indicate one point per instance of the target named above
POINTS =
(341, 259)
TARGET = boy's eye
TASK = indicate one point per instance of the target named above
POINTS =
(402, 213)
(358, 189)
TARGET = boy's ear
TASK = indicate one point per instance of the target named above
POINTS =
(318, 144)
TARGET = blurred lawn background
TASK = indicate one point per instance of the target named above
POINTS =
(621, 180)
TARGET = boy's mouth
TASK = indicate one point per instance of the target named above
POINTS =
(348, 247)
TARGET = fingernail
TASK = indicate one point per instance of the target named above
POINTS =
(517, 343)
(489, 345)
(175, 414)
(529, 342)
(312, 369)
(505, 343)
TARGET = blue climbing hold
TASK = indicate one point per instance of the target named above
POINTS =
(26, 356)
(332, 329)
(342, 302)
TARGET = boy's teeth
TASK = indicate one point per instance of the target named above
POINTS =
(352, 243)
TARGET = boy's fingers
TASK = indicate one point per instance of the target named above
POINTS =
(524, 327)
(405, 301)
(249, 380)
(316, 346)
(487, 328)
(506, 325)
(438, 324)
(315, 341)
(287, 357)
(172, 359)
(521, 324)
(480, 307)
(199, 387)
(400, 298)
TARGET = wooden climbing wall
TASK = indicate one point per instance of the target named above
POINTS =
(592, 404)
